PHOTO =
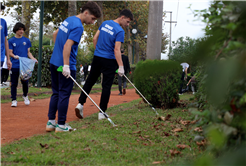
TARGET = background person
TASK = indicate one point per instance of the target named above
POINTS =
(107, 58)
(4, 42)
(127, 69)
(5, 72)
(67, 39)
(19, 46)
(185, 67)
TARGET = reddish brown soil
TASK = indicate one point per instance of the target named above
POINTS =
(25, 121)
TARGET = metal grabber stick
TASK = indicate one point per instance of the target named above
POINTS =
(140, 93)
(60, 69)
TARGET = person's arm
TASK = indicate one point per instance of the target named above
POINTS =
(186, 73)
(189, 82)
(95, 38)
(9, 64)
(29, 54)
(54, 35)
(66, 56)
(11, 54)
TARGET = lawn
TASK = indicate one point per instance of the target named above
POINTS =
(139, 139)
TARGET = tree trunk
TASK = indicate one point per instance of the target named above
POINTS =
(137, 52)
(100, 20)
(72, 8)
(26, 17)
(129, 46)
(154, 37)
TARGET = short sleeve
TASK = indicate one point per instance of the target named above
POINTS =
(5, 29)
(120, 37)
(76, 34)
(10, 45)
(29, 44)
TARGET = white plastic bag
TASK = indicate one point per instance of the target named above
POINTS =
(26, 67)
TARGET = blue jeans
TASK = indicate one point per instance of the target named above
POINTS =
(61, 88)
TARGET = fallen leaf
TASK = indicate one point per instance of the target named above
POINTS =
(166, 134)
(198, 129)
(185, 122)
(44, 146)
(35, 94)
(84, 127)
(32, 99)
(202, 143)
(182, 146)
(156, 162)
(87, 149)
(40, 89)
(173, 152)
(146, 136)
(168, 117)
(178, 130)
(136, 132)
(161, 118)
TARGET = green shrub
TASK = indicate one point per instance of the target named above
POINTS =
(158, 81)
(45, 67)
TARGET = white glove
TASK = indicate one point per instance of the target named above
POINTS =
(121, 71)
(66, 71)
(16, 57)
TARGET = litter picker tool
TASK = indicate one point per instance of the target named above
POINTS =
(160, 117)
(60, 69)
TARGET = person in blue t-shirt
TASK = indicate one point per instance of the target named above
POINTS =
(107, 58)
(19, 46)
(4, 41)
(67, 39)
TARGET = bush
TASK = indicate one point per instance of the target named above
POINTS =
(158, 81)
(45, 67)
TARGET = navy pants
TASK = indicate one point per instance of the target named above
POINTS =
(1, 69)
(61, 88)
(107, 67)
(14, 78)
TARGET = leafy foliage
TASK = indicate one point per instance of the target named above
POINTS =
(223, 81)
(158, 81)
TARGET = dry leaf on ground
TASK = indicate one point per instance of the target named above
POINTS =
(178, 130)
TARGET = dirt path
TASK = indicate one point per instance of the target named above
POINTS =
(25, 121)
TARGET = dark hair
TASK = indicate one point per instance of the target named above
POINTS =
(2, 7)
(127, 13)
(93, 8)
(122, 50)
(18, 26)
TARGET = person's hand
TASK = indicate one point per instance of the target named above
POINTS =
(130, 72)
(35, 60)
(121, 71)
(16, 57)
(185, 78)
(9, 64)
(66, 71)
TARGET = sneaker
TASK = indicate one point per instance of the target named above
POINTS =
(63, 128)
(120, 94)
(193, 93)
(26, 100)
(14, 103)
(124, 91)
(79, 111)
(50, 126)
(101, 116)
(180, 93)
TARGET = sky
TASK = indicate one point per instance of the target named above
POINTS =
(186, 26)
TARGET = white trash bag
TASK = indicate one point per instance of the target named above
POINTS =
(26, 67)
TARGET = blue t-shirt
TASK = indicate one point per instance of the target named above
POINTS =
(110, 32)
(4, 33)
(72, 29)
(20, 47)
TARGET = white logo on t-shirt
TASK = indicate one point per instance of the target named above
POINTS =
(1, 27)
(24, 43)
(108, 29)
(14, 44)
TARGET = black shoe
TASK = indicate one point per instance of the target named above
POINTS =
(120, 94)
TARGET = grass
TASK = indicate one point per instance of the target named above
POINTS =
(138, 139)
